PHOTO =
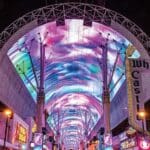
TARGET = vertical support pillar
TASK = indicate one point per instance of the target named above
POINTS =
(6, 132)
(57, 140)
(41, 94)
(86, 131)
(62, 146)
(85, 144)
(50, 145)
(40, 112)
(106, 94)
(106, 109)
(82, 145)
(106, 98)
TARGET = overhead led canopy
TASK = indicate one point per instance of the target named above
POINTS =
(73, 56)
(73, 72)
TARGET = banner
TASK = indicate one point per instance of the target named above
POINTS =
(134, 69)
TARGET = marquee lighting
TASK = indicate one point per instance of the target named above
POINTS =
(144, 144)
(8, 113)
(21, 134)
(32, 145)
(142, 114)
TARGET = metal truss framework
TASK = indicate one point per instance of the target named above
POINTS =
(87, 12)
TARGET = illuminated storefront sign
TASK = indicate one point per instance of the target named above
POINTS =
(108, 139)
(134, 68)
(130, 132)
(38, 138)
(129, 143)
(144, 144)
(123, 136)
(136, 84)
(34, 128)
(21, 134)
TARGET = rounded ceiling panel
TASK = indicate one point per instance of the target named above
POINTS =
(73, 82)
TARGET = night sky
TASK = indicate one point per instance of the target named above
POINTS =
(136, 10)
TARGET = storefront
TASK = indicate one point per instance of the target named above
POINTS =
(20, 133)
(129, 144)
(131, 140)
(14, 131)
(144, 143)
(136, 143)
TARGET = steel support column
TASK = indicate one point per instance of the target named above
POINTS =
(82, 145)
(40, 112)
(106, 98)
(6, 132)
(41, 94)
(106, 109)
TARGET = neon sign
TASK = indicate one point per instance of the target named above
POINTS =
(108, 139)
(134, 67)
(34, 128)
(128, 144)
(21, 134)
(145, 145)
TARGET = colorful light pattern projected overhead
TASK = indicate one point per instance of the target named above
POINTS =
(73, 72)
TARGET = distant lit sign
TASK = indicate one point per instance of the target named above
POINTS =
(123, 136)
(130, 132)
(21, 133)
(144, 144)
(34, 128)
(108, 139)
(38, 138)
(23, 146)
(128, 144)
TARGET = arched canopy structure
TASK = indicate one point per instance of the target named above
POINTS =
(73, 37)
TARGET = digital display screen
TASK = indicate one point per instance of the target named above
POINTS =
(73, 80)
